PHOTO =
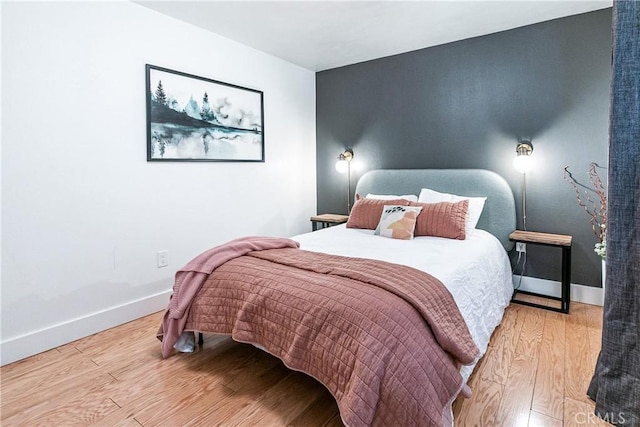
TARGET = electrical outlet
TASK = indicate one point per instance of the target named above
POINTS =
(163, 258)
(521, 247)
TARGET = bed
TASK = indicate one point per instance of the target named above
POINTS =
(358, 312)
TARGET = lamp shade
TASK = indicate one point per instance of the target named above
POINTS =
(342, 166)
(522, 164)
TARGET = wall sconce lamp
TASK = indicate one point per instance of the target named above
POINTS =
(523, 164)
(343, 165)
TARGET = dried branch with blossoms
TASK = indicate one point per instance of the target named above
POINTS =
(596, 209)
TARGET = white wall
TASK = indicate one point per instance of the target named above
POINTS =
(83, 212)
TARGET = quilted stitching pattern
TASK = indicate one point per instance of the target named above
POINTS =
(442, 219)
(366, 212)
(367, 339)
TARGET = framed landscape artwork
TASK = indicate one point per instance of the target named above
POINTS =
(191, 118)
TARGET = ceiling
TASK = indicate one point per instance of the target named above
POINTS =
(320, 35)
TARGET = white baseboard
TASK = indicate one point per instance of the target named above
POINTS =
(579, 293)
(53, 336)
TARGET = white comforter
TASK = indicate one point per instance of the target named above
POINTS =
(476, 271)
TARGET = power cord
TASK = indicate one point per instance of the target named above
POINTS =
(515, 267)
(524, 264)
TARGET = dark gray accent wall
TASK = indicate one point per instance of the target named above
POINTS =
(466, 104)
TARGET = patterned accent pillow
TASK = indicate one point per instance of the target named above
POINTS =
(398, 222)
(366, 212)
(444, 219)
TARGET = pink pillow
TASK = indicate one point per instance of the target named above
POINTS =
(444, 219)
(366, 213)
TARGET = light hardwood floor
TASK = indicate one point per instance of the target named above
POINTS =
(535, 373)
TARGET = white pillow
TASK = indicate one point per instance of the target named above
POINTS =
(476, 204)
(409, 197)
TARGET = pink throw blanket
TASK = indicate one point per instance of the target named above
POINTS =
(385, 339)
(190, 278)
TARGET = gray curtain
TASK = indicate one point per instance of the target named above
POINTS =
(615, 386)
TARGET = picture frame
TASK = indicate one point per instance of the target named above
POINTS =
(192, 118)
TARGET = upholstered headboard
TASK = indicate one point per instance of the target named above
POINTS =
(499, 213)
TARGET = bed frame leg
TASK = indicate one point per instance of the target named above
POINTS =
(200, 339)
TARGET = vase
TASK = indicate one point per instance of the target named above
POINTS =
(604, 274)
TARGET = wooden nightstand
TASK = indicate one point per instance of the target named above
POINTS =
(555, 240)
(327, 220)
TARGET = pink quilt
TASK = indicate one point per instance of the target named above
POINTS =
(385, 339)
(190, 278)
